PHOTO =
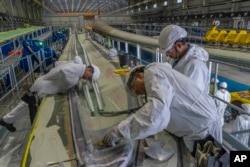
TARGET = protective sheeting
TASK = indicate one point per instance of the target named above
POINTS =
(110, 157)
(158, 149)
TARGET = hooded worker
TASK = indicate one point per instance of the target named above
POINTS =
(242, 122)
(190, 59)
(64, 76)
(174, 103)
(223, 94)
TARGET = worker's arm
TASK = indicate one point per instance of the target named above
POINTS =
(57, 63)
(154, 116)
(78, 60)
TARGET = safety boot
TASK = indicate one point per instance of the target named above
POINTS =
(30, 99)
(8, 126)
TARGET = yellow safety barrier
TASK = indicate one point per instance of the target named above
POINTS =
(248, 40)
(243, 38)
(211, 34)
(230, 37)
(221, 36)
(123, 72)
(240, 36)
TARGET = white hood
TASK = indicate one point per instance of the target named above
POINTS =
(193, 65)
(246, 108)
(198, 52)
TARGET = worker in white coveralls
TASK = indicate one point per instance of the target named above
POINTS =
(223, 94)
(64, 76)
(190, 59)
(242, 122)
(174, 103)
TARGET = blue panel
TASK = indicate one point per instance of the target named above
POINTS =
(115, 45)
(147, 56)
(6, 48)
(233, 86)
(122, 46)
(132, 49)
(36, 46)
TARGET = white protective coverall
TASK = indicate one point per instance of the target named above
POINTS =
(193, 65)
(59, 79)
(113, 52)
(176, 104)
(242, 122)
(221, 106)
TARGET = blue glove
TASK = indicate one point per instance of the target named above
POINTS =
(112, 137)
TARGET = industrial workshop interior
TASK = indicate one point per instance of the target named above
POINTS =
(94, 122)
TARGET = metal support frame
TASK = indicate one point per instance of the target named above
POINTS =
(9, 64)
(138, 51)
(126, 47)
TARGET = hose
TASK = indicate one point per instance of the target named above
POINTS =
(116, 113)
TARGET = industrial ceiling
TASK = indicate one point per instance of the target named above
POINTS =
(84, 6)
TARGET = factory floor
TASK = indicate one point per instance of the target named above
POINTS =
(58, 147)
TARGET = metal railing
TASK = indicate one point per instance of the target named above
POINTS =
(103, 31)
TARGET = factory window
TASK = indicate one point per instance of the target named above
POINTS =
(179, 1)
(165, 3)
(155, 5)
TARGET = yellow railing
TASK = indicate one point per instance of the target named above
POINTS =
(229, 39)
(241, 38)
(211, 34)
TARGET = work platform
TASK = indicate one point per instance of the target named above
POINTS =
(9, 35)
(51, 141)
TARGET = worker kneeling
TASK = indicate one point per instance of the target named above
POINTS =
(174, 103)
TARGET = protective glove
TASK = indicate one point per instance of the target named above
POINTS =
(112, 137)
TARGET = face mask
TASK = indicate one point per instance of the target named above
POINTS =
(223, 90)
(172, 61)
